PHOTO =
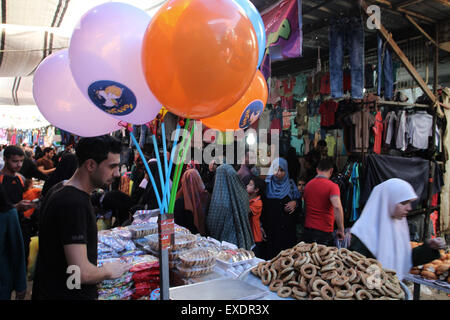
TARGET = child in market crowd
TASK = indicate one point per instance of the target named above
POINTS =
(255, 189)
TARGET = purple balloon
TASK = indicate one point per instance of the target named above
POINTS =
(105, 59)
(61, 102)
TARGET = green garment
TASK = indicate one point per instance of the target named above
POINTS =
(13, 276)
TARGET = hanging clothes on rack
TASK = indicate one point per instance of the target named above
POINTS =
(354, 179)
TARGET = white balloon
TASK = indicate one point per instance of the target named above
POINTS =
(62, 103)
(105, 59)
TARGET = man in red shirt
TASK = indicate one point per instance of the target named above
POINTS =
(323, 207)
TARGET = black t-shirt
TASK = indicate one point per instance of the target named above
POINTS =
(67, 217)
(14, 187)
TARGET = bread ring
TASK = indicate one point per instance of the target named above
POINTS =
(344, 294)
(330, 275)
(316, 259)
(343, 252)
(287, 274)
(305, 247)
(266, 277)
(390, 271)
(363, 265)
(296, 255)
(358, 277)
(350, 261)
(314, 294)
(286, 253)
(374, 261)
(293, 283)
(308, 267)
(311, 282)
(327, 293)
(351, 274)
(339, 266)
(394, 288)
(329, 267)
(323, 250)
(356, 287)
(254, 271)
(363, 295)
(296, 291)
(391, 293)
(286, 262)
(284, 292)
(328, 261)
(299, 262)
(318, 284)
(357, 256)
(313, 248)
(275, 285)
(330, 255)
(303, 284)
(339, 280)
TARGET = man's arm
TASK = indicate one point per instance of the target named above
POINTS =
(76, 254)
(41, 169)
(338, 213)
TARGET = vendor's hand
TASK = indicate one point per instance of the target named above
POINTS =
(25, 205)
(116, 269)
(437, 243)
(21, 295)
(290, 206)
(340, 234)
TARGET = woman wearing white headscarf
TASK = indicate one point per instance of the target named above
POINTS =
(382, 230)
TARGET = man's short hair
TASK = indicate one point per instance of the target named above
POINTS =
(96, 148)
(325, 164)
(13, 151)
(47, 150)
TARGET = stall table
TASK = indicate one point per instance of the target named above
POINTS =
(418, 281)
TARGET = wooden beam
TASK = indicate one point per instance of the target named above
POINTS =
(417, 15)
(408, 3)
(414, 23)
(443, 2)
(412, 71)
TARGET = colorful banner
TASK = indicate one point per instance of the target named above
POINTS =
(283, 23)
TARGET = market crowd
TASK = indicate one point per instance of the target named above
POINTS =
(86, 190)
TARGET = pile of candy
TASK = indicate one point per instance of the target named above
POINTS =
(146, 279)
(117, 289)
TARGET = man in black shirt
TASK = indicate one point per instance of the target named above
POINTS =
(67, 261)
(14, 185)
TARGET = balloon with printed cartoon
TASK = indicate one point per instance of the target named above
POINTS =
(246, 111)
(105, 59)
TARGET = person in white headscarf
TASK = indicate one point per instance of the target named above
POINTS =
(382, 230)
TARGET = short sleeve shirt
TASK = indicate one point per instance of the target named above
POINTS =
(67, 218)
(319, 210)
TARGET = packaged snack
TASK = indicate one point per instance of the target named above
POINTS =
(192, 272)
(155, 294)
(181, 241)
(142, 230)
(197, 257)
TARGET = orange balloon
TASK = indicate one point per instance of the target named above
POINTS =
(246, 111)
(199, 56)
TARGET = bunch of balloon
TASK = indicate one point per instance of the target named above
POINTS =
(99, 81)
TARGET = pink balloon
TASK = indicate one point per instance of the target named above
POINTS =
(105, 59)
(61, 102)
